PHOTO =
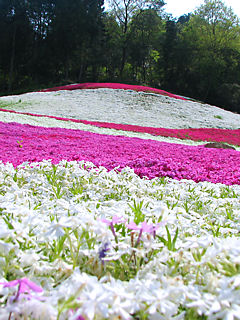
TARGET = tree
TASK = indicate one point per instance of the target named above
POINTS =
(146, 29)
(213, 33)
(41, 16)
(169, 52)
(16, 38)
(124, 10)
(112, 47)
(75, 33)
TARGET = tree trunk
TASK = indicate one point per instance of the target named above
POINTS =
(123, 61)
(12, 60)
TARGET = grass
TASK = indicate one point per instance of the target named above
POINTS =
(218, 117)
(4, 104)
(9, 104)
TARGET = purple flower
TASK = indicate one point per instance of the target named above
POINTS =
(102, 252)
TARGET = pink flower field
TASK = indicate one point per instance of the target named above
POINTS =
(195, 134)
(21, 143)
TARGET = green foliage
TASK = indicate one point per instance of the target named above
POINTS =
(192, 314)
(230, 269)
(139, 216)
(213, 34)
(55, 180)
(170, 242)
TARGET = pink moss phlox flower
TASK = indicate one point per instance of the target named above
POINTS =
(25, 285)
(115, 220)
(144, 227)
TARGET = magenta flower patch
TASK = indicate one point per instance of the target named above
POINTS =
(21, 143)
(113, 86)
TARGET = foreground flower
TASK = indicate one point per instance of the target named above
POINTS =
(155, 280)
(103, 252)
(111, 223)
(144, 227)
(24, 286)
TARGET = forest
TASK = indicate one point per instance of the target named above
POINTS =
(56, 42)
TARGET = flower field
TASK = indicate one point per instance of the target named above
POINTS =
(128, 224)
(195, 134)
(21, 143)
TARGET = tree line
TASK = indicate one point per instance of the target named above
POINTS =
(55, 42)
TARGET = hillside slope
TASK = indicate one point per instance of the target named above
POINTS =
(123, 106)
